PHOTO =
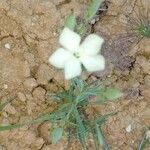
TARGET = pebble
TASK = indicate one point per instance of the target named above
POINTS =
(10, 109)
(129, 128)
(39, 95)
(44, 74)
(30, 83)
(2, 147)
(29, 137)
(7, 45)
(26, 69)
(5, 86)
(39, 143)
(21, 96)
(147, 81)
(148, 135)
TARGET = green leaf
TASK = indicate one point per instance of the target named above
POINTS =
(56, 135)
(43, 118)
(91, 10)
(82, 28)
(143, 142)
(96, 144)
(71, 22)
(78, 83)
(9, 127)
(61, 96)
(109, 94)
(99, 135)
(58, 114)
(113, 94)
(87, 92)
(102, 119)
(81, 130)
(101, 138)
(88, 15)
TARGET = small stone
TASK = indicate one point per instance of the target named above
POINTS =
(10, 109)
(21, 96)
(145, 93)
(5, 86)
(51, 87)
(148, 135)
(147, 81)
(39, 143)
(23, 120)
(26, 69)
(13, 145)
(5, 121)
(43, 131)
(144, 46)
(44, 74)
(30, 83)
(144, 63)
(93, 21)
(2, 147)
(5, 114)
(31, 105)
(129, 128)
(59, 78)
(61, 146)
(39, 95)
(7, 45)
(29, 137)
(30, 58)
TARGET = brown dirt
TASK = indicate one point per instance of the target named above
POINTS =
(30, 28)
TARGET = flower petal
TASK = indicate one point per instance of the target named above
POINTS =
(69, 40)
(93, 63)
(59, 58)
(92, 44)
(72, 68)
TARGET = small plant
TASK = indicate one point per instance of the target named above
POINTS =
(144, 30)
(140, 23)
(70, 119)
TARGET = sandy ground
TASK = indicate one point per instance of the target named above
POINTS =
(29, 32)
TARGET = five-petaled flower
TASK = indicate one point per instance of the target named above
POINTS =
(73, 55)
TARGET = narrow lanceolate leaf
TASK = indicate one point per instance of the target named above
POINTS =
(78, 83)
(109, 94)
(71, 22)
(143, 142)
(87, 92)
(101, 138)
(9, 127)
(113, 94)
(81, 130)
(56, 135)
(96, 144)
(41, 119)
(92, 9)
(102, 119)
(61, 96)
(60, 113)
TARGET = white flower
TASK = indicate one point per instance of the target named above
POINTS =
(73, 55)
